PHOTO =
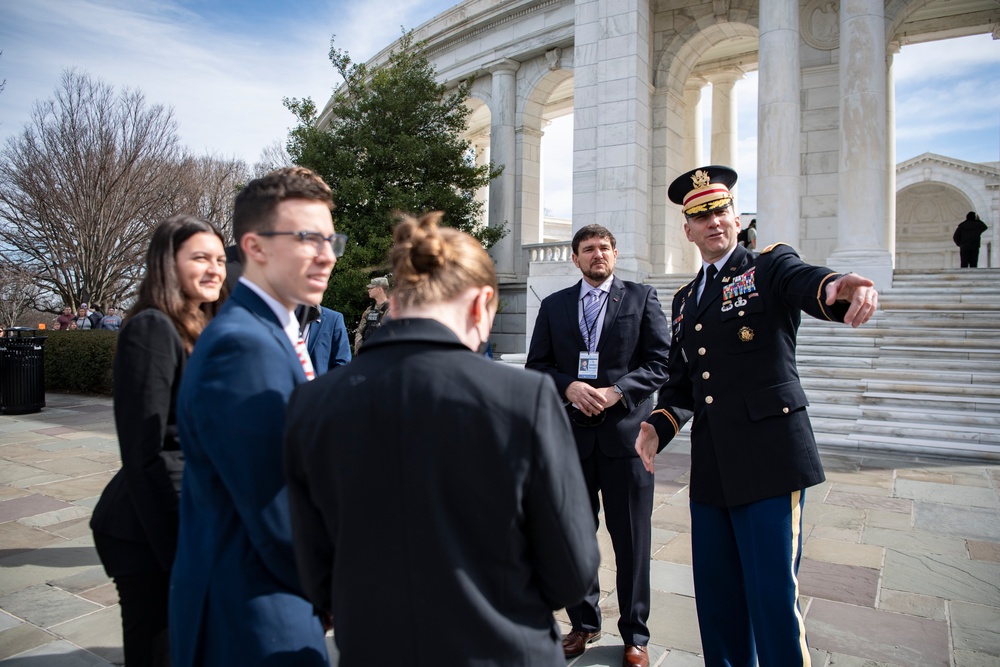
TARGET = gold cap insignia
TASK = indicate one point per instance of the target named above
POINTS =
(746, 334)
(700, 179)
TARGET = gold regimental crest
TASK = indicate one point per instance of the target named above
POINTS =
(700, 179)
(746, 334)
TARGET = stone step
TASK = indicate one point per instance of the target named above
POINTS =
(943, 447)
(939, 352)
(919, 431)
(918, 376)
(939, 388)
(932, 401)
(930, 363)
(967, 328)
(814, 358)
(920, 303)
(921, 415)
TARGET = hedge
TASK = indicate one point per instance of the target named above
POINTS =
(79, 361)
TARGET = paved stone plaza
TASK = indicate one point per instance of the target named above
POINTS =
(901, 559)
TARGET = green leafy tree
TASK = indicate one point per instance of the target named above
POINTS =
(390, 140)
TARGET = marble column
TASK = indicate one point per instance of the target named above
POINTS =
(694, 141)
(503, 152)
(861, 208)
(481, 147)
(613, 118)
(724, 127)
(890, 146)
(778, 124)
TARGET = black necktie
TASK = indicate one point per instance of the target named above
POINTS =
(710, 273)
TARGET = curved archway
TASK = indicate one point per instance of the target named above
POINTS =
(926, 216)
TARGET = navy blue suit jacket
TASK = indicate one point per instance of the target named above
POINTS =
(328, 344)
(235, 596)
(633, 351)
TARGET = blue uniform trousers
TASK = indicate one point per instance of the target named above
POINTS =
(746, 563)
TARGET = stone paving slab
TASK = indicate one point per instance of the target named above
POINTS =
(901, 555)
(970, 522)
(877, 635)
(943, 576)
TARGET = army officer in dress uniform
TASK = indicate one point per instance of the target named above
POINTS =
(732, 366)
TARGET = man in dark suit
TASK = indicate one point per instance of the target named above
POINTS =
(235, 594)
(604, 342)
(732, 366)
(326, 338)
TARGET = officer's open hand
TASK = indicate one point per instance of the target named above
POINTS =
(646, 445)
(860, 291)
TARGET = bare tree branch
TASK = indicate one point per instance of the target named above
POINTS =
(84, 183)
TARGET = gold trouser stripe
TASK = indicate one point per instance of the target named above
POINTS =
(668, 416)
(796, 528)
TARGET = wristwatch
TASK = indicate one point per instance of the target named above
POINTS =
(618, 390)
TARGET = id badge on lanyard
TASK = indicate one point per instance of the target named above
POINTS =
(587, 369)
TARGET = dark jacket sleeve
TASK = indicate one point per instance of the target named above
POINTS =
(560, 525)
(147, 371)
(341, 347)
(314, 549)
(542, 353)
(675, 405)
(653, 347)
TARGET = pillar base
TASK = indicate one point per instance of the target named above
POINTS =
(874, 263)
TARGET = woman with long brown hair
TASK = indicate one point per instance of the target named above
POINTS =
(135, 521)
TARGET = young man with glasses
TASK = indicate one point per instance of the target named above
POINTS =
(604, 342)
(235, 596)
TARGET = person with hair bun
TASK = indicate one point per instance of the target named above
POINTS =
(135, 521)
(464, 511)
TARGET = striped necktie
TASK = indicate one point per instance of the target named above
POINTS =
(300, 349)
(588, 323)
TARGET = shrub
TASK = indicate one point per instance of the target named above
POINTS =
(79, 361)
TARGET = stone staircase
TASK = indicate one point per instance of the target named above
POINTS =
(922, 377)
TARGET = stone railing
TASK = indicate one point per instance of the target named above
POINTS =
(560, 251)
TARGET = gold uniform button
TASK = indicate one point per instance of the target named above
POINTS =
(742, 313)
(701, 351)
(706, 375)
(785, 409)
(697, 327)
(709, 399)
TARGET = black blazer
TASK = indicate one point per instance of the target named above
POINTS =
(633, 347)
(140, 503)
(425, 477)
(732, 365)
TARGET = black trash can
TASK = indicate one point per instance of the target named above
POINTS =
(22, 371)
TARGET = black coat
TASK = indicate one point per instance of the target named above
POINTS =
(732, 365)
(140, 503)
(426, 479)
(968, 233)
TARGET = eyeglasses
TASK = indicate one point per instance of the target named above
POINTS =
(315, 240)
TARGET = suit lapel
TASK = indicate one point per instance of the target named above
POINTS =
(572, 306)
(613, 305)
(256, 306)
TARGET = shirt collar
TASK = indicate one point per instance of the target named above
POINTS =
(605, 287)
(285, 317)
(719, 263)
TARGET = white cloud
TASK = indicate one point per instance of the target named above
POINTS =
(224, 74)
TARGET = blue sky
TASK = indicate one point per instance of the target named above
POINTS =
(225, 65)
